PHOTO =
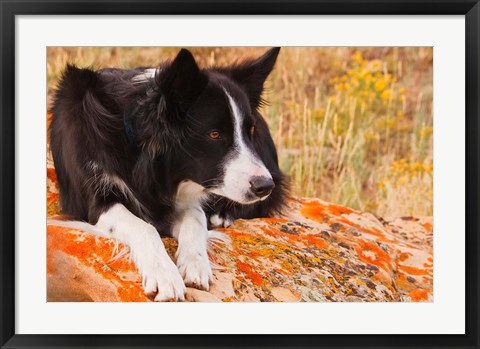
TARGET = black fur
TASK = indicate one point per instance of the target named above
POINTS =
(170, 116)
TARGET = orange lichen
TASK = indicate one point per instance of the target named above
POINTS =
(234, 233)
(337, 210)
(317, 211)
(306, 240)
(428, 226)
(418, 295)
(313, 240)
(247, 269)
(131, 294)
(381, 259)
(94, 253)
(52, 198)
(414, 271)
(404, 256)
(286, 266)
(274, 220)
(274, 232)
(52, 175)
(427, 280)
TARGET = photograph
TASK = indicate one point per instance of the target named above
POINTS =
(239, 174)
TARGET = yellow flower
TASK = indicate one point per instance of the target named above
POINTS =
(357, 57)
(386, 95)
(380, 85)
(376, 64)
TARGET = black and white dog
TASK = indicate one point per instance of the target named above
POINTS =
(174, 150)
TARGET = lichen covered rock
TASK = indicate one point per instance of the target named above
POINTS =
(318, 252)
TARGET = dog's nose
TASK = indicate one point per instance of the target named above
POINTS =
(261, 186)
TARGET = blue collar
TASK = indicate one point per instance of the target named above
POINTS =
(129, 127)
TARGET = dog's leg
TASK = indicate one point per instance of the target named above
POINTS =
(159, 273)
(192, 235)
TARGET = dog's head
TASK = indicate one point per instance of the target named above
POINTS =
(212, 121)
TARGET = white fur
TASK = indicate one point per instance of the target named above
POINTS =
(189, 194)
(145, 76)
(215, 237)
(218, 221)
(190, 229)
(159, 274)
(241, 165)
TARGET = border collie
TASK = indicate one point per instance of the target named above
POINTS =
(173, 151)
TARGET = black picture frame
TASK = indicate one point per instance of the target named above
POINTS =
(9, 9)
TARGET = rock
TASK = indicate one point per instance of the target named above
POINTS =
(318, 252)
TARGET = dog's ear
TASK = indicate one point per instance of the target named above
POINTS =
(161, 112)
(183, 81)
(253, 73)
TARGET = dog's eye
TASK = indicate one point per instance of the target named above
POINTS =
(214, 134)
(252, 131)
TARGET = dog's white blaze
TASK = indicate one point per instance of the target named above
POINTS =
(159, 273)
(242, 165)
(191, 231)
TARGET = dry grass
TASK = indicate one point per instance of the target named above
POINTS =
(352, 125)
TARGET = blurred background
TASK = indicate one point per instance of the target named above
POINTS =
(352, 126)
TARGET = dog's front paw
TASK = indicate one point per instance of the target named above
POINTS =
(164, 281)
(195, 269)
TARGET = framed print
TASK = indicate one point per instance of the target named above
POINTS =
(200, 174)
